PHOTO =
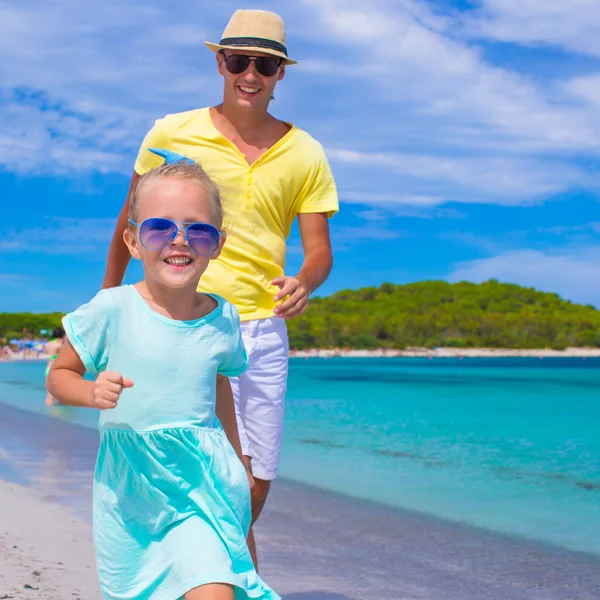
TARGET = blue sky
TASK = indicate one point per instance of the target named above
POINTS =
(464, 135)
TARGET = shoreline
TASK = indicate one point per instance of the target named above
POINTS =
(414, 352)
(572, 352)
(310, 540)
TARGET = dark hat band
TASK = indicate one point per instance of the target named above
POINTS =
(254, 43)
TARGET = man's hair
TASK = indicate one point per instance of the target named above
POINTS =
(182, 171)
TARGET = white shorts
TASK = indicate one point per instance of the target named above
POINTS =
(259, 394)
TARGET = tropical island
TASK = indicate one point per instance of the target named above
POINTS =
(437, 317)
(438, 314)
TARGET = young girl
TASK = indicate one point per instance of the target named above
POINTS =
(171, 498)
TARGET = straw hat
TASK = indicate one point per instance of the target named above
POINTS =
(254, 31)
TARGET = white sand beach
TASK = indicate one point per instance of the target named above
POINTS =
(412, 352)
(45, 551)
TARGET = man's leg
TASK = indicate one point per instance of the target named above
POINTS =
(262, 395)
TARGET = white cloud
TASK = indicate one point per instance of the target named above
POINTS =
(376, 227)
(85, 238)
(446, 123)
(385, 199)
(106, 48)
(585, 87)
(574, 274)
(384, 212)
(488, 244)
(446, 81)
(593, 227)
(572, 25)
(36, 136)
(505, 180)
(13, 279)
(91, 78)
(389, 86)
(352, 234)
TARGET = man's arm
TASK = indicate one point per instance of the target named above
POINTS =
(318, 261)
(118, 254)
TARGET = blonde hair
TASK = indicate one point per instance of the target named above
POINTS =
(182, 171)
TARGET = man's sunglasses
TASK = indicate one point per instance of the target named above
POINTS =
(156, 234)
(238, 63)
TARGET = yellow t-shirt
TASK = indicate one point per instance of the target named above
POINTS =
(260, 201)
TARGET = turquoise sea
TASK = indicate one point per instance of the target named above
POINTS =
(510, 445)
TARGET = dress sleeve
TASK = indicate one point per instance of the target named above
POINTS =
(319, 194)
(235, 361)
(88, 329)
(156, 138)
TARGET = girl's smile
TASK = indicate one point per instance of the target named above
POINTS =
(179, 261)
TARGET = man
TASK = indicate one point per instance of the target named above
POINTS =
(269, 172)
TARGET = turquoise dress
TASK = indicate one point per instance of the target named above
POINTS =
(171, 498)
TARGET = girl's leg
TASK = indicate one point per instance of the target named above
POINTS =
(211, 591)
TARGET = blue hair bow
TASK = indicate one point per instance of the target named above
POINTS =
(171, 157)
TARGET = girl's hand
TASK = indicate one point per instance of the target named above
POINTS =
(108, 388)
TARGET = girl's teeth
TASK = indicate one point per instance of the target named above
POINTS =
(248, 90)
(178, 262)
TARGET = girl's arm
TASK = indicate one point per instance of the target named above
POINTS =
(225, 410)
(65, 382)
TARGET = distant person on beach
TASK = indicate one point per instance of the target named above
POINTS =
(52, 349)
(270, 172)
(171, 492)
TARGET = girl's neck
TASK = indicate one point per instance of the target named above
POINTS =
(184, 304)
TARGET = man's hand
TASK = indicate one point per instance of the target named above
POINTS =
(246, 461)
(297, 296)
(250, 478)
(108, 388)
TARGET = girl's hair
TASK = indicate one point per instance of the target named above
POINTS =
(184, 171)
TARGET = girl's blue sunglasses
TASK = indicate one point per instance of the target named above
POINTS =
(157, 233)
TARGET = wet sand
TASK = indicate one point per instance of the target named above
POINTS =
(314, 545)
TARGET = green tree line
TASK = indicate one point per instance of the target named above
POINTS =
(425, 314)
(27, 325)
(436, 313)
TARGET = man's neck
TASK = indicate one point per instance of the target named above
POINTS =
(248, 124)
